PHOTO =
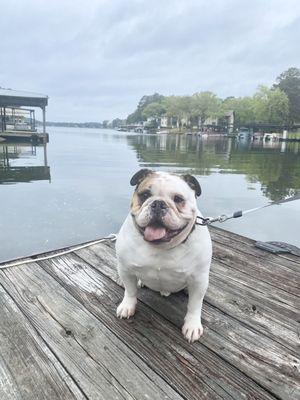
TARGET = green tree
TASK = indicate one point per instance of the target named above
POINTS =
(289, 83)
(204, 105)
(134, 117)
(147, 99)
(177, 108)
(270, 105)
(185, 108)
(265, 106)
(172, 107)
(154, 110)
(116, 123)
(243, 108)
(137, 115)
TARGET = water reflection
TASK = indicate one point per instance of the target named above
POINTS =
(90, 193)
(23, 162)
(275, 165)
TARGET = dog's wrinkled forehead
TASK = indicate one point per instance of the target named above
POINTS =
(161, 182)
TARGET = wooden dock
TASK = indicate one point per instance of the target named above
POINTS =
(24, 136)
(60, 338)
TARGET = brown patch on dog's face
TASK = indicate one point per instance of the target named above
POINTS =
(142, 193)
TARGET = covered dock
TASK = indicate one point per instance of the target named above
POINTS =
(60, 338)
(17, 115)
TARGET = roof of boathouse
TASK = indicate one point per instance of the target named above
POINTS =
(19, 98)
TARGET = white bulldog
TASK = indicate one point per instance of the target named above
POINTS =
(160, 245)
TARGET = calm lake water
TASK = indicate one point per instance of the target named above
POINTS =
(77, 189)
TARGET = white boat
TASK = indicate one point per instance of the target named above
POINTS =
(270, 137)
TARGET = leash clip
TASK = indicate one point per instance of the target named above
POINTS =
(203, 222)
(223, 218)
(209, 220)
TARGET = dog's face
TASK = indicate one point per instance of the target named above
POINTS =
(164, 206)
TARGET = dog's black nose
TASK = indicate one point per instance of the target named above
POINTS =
(158, 206)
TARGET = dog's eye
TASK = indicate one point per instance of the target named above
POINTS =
(144, 195)
(178, 199)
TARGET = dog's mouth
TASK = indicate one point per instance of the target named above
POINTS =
(158, 233)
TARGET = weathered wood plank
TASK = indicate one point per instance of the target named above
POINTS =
(252, 309)
(261, 341)
(28, 368)
(98, 361)
(270, 273)
(260, 358)
(246, 245)
(278, 299)
(150, 335)
(264, 360)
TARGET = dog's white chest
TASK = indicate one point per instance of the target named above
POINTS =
(161, 275)
(163, 271)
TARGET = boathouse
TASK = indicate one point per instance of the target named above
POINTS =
(17, 115)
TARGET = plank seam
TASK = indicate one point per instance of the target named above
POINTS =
(265, 282)
(285, 268)
(107, 370)
(49, 348)
(224, 233)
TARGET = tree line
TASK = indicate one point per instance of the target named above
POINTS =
(74, 124)
(279, 104)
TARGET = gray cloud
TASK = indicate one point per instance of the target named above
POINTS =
(95, 59)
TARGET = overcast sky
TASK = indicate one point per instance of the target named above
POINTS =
(96, 59)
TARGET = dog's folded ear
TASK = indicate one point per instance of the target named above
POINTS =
(139, 176)
(193, 183)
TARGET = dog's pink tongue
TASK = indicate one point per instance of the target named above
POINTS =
(154, 233)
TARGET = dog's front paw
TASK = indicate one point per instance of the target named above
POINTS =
(165, 294)
(127, 308)
(140, 284)
(192, 329)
